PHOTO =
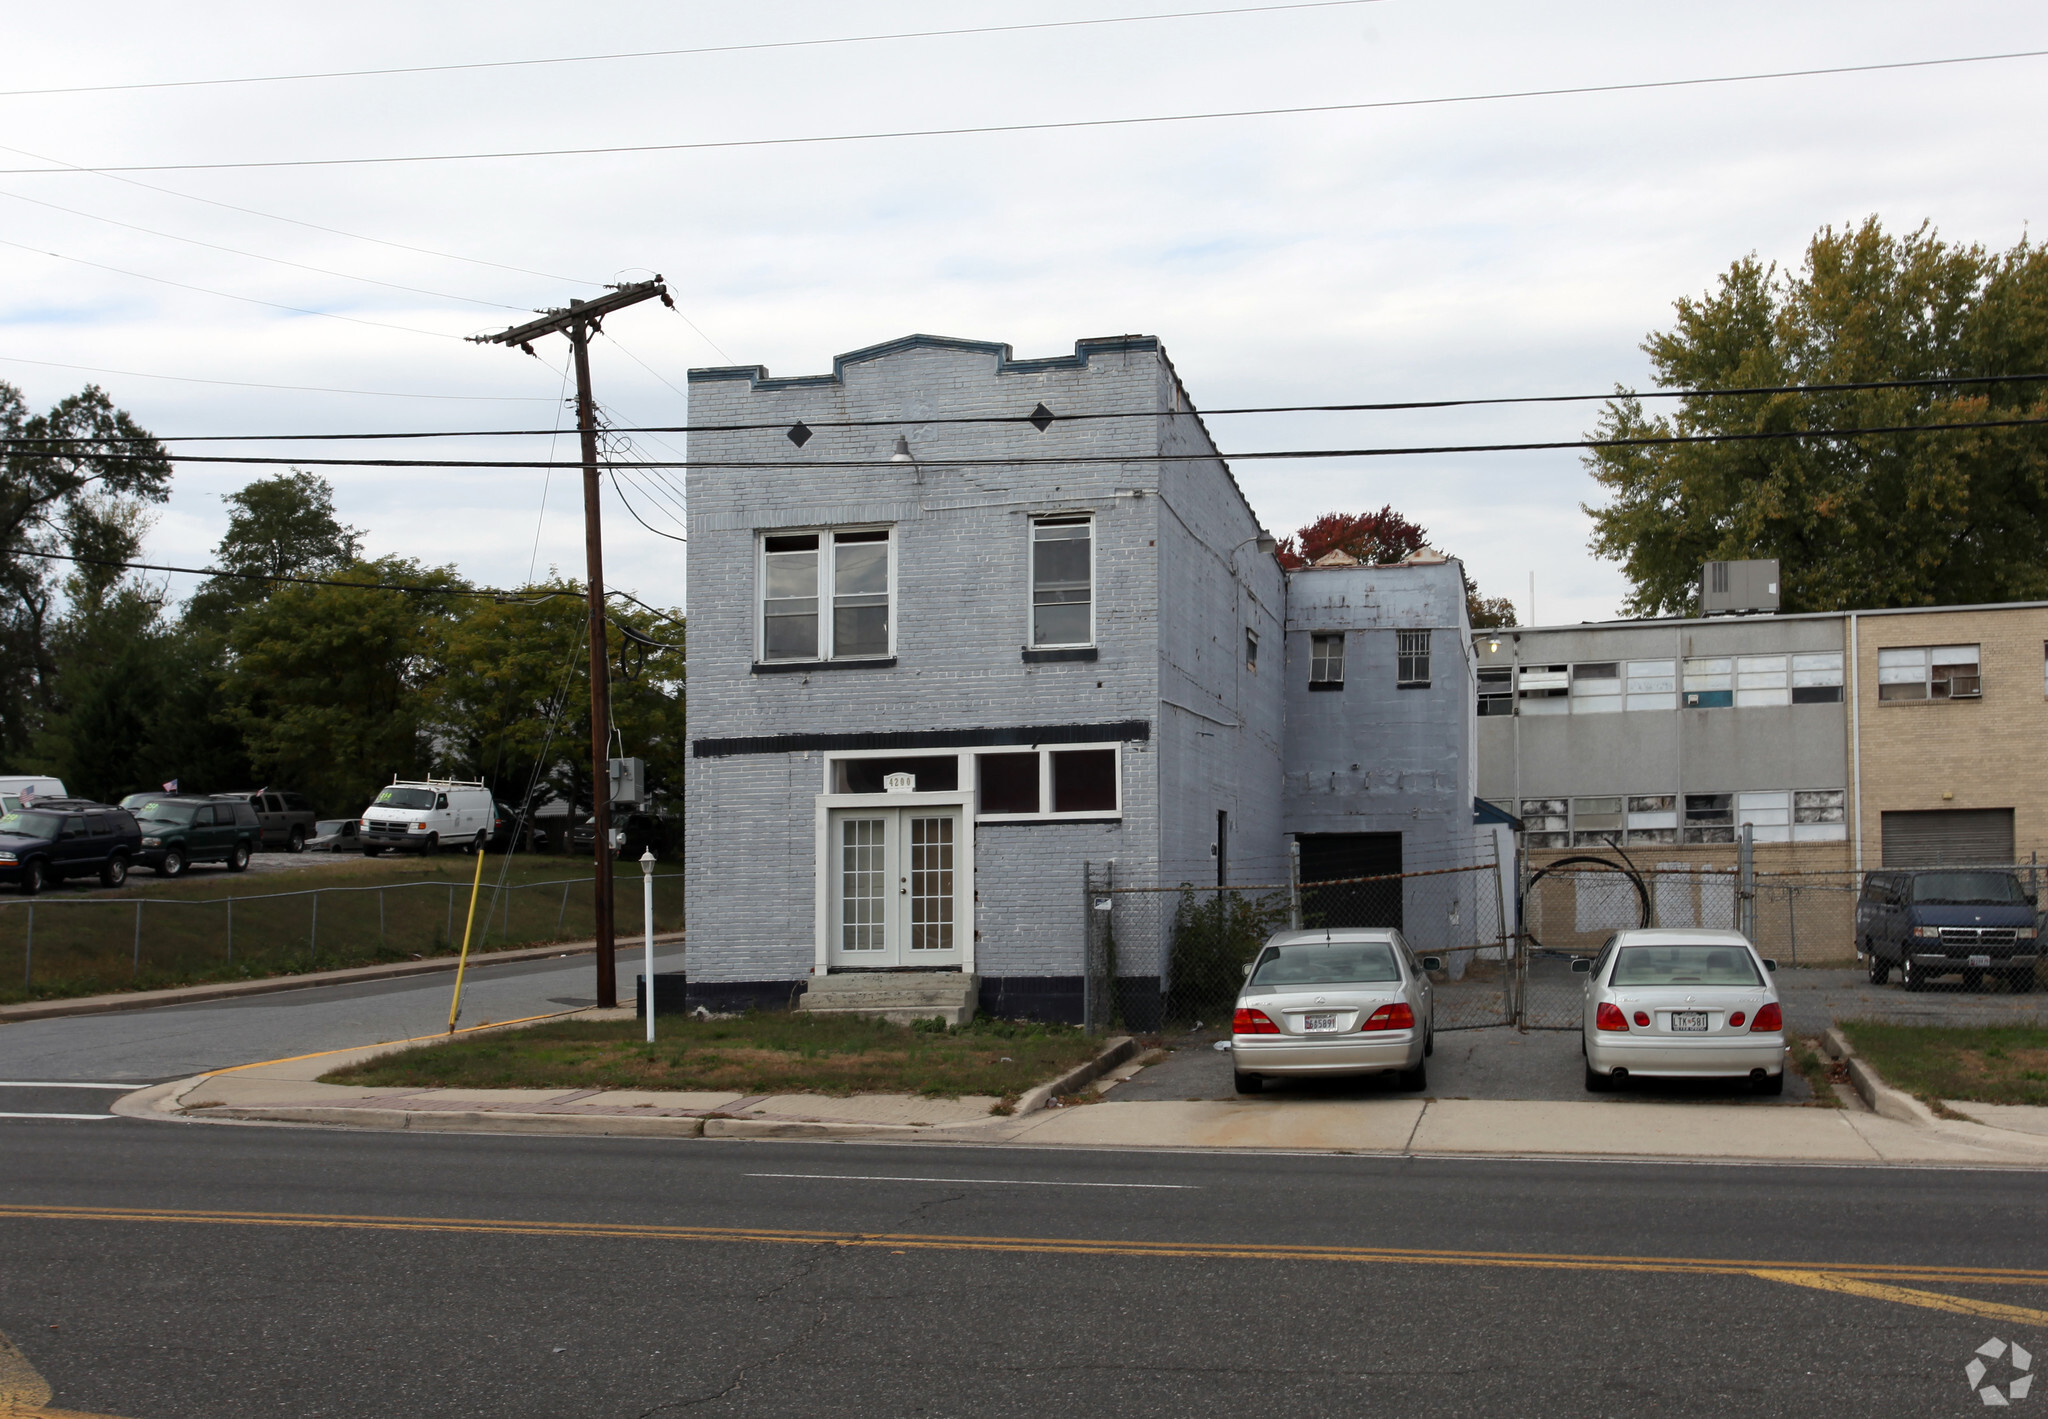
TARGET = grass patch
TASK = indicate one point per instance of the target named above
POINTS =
(1818, 1071)
(80, 939)
(756, 1053)
(1991, 1064)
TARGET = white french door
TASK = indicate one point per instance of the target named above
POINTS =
(894, 878)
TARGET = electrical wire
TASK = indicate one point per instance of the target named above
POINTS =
(257, 256)
(670, 53)
(60, 164)
(1246, 456)
(627, 503)
(781, 426)
(1054, 125)
(268, 576)
(226, 295)
(290, 388)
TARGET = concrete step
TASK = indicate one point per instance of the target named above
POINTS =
(900, 998)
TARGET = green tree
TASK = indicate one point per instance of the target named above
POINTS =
(511, 705)
(1872, 520)
(73, 482)
(327, 684)
(277, 527)
(1382, 538)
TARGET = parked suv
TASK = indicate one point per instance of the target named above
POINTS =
(178, 830)
(1971, 922)
(287, 819)
(66, 837)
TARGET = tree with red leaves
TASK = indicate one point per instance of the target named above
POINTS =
(1381, 539)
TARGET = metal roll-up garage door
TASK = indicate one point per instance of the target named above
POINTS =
(1948, 837)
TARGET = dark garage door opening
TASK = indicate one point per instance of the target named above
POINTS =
(1331, 857)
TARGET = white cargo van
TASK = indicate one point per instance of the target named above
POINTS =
(420, 815)
(31, 787)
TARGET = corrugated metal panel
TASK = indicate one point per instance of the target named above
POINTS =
(1948, 837)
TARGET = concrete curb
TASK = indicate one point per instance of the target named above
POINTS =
(1884, 1100)
(228, 990)
(1114, 1053)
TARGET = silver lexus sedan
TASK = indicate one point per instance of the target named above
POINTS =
(1323, 1002)
(1682, 1004)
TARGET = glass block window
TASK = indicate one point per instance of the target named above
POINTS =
(1546, 822)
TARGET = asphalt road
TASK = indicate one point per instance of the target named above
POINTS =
(832, 1280)
(171, 1042)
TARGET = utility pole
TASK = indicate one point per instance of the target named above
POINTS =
(579, 322)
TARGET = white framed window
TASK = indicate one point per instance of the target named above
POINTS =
(1762, 680)
(826, 595)
(1326, 661)
(1054, 781)
(1817, 678)
(1932, 672)
(1709, 682)
(1596, 687)
(1651, 684)
(1411, 669)
(1062, 581)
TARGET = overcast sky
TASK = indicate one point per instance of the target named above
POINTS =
(1519, 246)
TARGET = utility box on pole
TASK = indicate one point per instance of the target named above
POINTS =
(629, 782)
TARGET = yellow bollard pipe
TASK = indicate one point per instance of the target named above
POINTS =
(462, 962)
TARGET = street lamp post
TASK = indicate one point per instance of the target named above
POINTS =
(647, 925)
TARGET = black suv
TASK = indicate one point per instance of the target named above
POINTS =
(66, 837)
(179, 830)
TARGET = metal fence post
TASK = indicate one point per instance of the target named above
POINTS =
(1294, 883)
(563, 914)
(28, 950)
(313, 940)
(1088, 947)
(1745, 890)
(135, 971)
(450, 934)
(231, 931)
(1792, 917)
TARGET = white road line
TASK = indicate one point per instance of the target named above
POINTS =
(991, 1182)
(63, 1084)
(69, 1116)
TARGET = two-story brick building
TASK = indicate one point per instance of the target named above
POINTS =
(961, 623)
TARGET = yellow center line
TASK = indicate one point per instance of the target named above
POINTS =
(1858, 1278)
(1905, 1296)
(25, 1394)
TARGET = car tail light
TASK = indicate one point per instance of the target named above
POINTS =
(1643, 1018)
(1391, 1017)
(1252, 1022)
(1609, 1017)
(1735, 1020)
(1769, 1019)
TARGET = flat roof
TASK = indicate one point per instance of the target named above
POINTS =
(1760, 617)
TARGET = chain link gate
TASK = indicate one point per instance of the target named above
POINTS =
(1176, 956)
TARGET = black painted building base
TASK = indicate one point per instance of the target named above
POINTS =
(731, 997)
(1054, 999)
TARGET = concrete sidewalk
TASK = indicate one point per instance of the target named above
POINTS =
(288, 1092)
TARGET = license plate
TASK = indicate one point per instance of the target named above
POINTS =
(1980, 960)
(1689, 1020)
(1318, 1024)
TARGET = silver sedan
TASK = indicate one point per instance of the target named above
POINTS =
(1334, 1002)
(1682, 1004)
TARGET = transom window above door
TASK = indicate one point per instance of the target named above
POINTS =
(826, 595)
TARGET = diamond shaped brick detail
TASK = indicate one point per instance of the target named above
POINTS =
(1040, 418)
(799, 433)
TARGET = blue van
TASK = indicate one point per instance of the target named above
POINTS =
(1968, 921)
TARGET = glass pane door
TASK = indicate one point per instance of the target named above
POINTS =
(895, 881)
(931, 882)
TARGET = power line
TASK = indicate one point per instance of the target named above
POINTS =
(248, 383)
(1394, 406)
(257, 256)
(226, 295)
(61, 165)
(668, 53)
(266, 576)
(627, 503)
(1042, 127)
(1072, 460)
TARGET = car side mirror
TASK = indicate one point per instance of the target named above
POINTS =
(1248, 969)
(1582, 967)
(2033, 900)
(1432, 963)
(1770, 963)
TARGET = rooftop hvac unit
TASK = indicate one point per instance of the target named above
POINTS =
(1738, 588)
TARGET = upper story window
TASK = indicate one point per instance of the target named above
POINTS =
(1596, 687)
(1939, 672)
(1651, 684)
(1817, 678)
(1709, 682)
(1326, 661)
(1063, 581)
(825, 595)
(1496, 691)
(1251, 650)
(1411, 671)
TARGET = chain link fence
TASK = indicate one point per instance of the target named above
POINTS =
(1160, 957)
(85, 945)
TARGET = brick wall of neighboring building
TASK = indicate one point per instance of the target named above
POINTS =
(1942, 755)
